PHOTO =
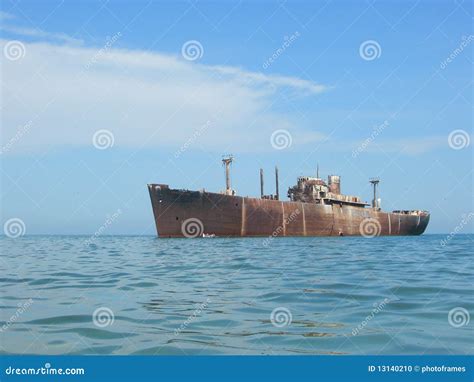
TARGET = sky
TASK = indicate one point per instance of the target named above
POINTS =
(99, 98)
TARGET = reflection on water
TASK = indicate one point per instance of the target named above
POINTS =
(142, 295)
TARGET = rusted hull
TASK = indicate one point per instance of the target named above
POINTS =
(180, 213)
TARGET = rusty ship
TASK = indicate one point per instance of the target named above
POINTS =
(315, 208)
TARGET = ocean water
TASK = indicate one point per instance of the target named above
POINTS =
(143, 295)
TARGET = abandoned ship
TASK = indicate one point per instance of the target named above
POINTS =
(314, 208)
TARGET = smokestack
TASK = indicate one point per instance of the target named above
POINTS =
(276, 184)
(334, 183)
(261, 183)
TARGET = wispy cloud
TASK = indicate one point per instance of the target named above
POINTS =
(6, 16)
(34, 33)
(40, 34)
(295, 83)
(144, 98)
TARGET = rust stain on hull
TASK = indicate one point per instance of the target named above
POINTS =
(236, 216)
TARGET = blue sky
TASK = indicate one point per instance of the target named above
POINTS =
(363, 88)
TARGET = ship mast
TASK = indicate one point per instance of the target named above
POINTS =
(375, 182)
(277, 188)
(226, 161)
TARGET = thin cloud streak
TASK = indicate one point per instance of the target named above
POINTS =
(40, 34)
(35, 33)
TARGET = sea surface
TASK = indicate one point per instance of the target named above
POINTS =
(144, 295)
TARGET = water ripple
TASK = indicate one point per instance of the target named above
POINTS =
(235, 296)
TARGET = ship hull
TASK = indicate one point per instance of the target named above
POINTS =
(182, 213)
